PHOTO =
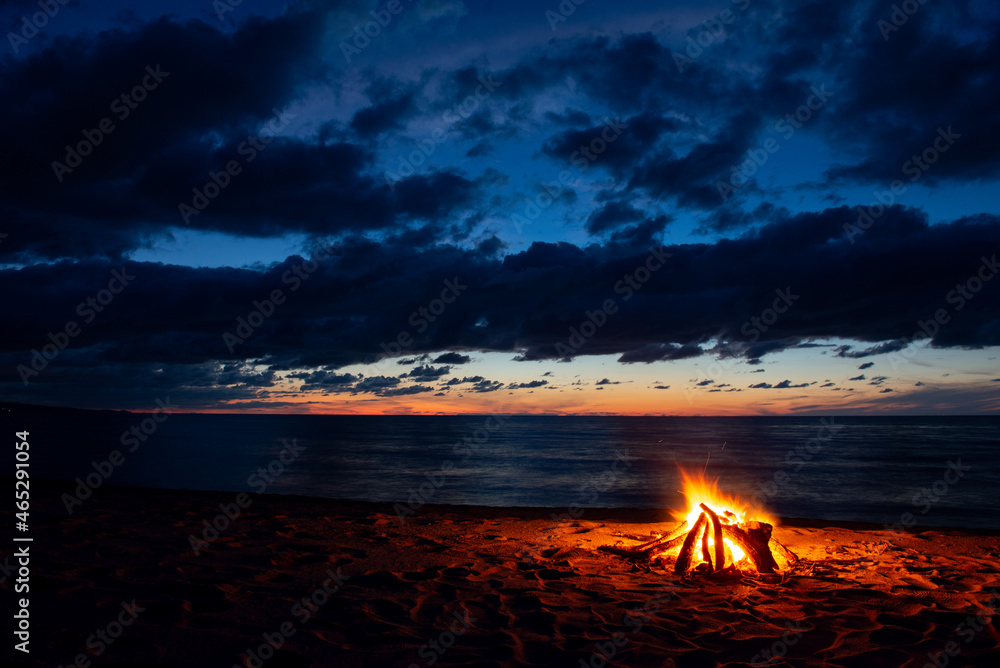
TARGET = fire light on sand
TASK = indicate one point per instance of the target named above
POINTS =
(717, 533)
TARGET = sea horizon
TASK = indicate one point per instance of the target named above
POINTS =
(244, 412)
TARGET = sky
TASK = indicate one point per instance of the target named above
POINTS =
(434, 206)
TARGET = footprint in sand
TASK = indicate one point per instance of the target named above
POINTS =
(273, 577)
(879, 657)
(487, 617)
(350, 551)
(430, 545)
(385, 610)
(286, 560)
(553, 574)
(413, 576)
(339, 560)
(376, 580)
(879, 600)
(210, 599)
(286, 659)
(894, 636)
(918, 581)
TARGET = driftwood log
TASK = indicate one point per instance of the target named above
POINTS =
(720, 546)
(646, 550)
(677, 532)
(684, 557)
(753, 540)
(706, 556)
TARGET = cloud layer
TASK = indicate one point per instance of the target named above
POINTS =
(657, 194)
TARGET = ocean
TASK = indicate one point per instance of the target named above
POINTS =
(914, 471)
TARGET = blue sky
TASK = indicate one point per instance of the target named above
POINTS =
(538, 157)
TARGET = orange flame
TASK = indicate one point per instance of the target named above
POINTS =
(698, 489)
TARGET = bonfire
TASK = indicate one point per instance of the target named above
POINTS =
(716, 532)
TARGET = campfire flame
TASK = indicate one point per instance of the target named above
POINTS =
(744, 534)
(698, 489)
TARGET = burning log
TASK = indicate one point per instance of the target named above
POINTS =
(678, 532)
(706, 555)
(684, 557)
(754, 541)
(668, 545)
(646, 550)
(720, 546)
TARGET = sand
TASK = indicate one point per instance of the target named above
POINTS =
(342, 583)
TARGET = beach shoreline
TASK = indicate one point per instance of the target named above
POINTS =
(217, 580)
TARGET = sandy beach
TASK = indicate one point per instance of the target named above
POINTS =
(137, 577)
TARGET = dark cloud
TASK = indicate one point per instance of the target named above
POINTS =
(403, 391)
(427, 372)
(881, 349)
(527, 386)
(487, 386)
(375, 384)
(127, 193)
(606, 381)
(452, 358)
(881, 124)
(902, 114)
(324, 380)
(861, 377)
(730, 217)
(641, 235)
(783, 385)
(483, 148)
(655, 352)
(867, 365)
(616, 144)
(572, 117)
(392, 104)
(473, 379)
(221, 98)
(788, 384)
(690, 178)
(612, 215)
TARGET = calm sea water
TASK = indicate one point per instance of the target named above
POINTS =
(943, 470)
